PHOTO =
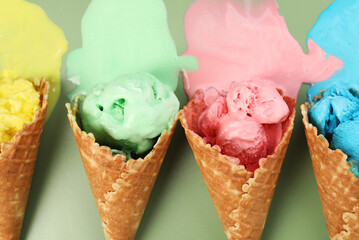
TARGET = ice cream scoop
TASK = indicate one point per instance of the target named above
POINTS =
(31, 45)
(245, 122)
(18, 102)
(336, 115)
(129, 113)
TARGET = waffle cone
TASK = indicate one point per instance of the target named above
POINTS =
(17, 162)
(337, 185)
(121, 189)
(241, 198)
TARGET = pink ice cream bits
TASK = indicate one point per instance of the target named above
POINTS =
(245, 122)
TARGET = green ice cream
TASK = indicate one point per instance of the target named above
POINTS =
(129, 113)
(127, 53)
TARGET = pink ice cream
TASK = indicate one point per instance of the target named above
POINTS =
(235, 42)
(245, 122)
(250, 45)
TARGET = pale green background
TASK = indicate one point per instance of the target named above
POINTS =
(61, 205)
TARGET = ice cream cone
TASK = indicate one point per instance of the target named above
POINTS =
(17, 162)
(121, 189)
(241, 198)
(337, 185)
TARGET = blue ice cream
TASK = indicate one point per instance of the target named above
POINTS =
(337, 33)
(335, 112)
(336, 115)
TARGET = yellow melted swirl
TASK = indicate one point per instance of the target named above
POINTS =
(31, 45)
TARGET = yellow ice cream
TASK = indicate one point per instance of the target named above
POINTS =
(31, 45)
(18, 103)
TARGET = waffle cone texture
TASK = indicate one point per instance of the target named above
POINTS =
(337, 185)
(242, 198)
(17, 163)
(121, 189)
